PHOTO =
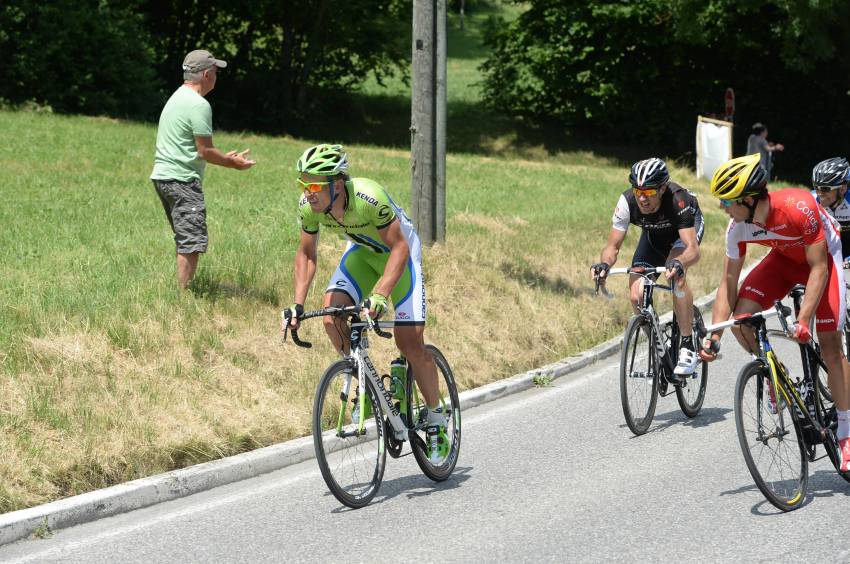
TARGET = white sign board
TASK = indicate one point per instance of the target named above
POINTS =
(714, 145)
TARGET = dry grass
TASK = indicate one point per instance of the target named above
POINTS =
(110, 375)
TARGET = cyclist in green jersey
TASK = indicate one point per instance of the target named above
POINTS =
(382, 261)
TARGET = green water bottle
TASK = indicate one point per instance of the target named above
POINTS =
(398, 377)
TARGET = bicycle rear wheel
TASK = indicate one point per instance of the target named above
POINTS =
(691, 393)
(822, 378)
(772, 443)
(442, 468)
(351, 459)
(638, 375)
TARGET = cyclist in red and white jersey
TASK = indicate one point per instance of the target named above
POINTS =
(805, 249)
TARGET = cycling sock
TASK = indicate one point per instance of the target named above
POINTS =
(688, 342)
(843, 424)
(435, 417)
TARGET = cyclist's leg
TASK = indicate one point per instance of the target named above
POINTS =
(829, 321)
(646, 255)
(766, 283)
(684, 303)
(346, 288)
(408, 298)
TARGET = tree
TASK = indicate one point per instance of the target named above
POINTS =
(284, 56)
(81, 56)
(643, 69)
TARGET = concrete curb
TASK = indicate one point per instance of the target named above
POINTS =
(144, 492)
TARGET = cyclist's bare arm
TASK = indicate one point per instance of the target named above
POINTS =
(690, 255)
(727, 293)
(612, 248)
(818, 259)
(305, 267)
(393, 237)
(724, 303)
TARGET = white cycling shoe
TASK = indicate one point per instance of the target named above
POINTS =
(688, 361)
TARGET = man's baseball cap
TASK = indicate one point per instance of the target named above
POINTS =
(200, 59)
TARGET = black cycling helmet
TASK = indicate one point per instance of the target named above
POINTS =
(650, 172)
(831, 172)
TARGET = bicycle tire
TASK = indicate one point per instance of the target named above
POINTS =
(789, 491)
(691, 394)
(352, 466)
(822, 376)
(450, 403)
(639, 406)
(830, 443)
(846, 334)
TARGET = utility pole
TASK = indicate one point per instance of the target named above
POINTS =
(428, 120)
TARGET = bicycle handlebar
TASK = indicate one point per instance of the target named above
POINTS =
(639, 270)
(778, 310)
(337, 311)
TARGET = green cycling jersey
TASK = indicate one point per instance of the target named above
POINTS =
(369, 209)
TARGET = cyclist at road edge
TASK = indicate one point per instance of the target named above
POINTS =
(672, 227)
(383, 256)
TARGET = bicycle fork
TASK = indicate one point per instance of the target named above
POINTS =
(792, 398)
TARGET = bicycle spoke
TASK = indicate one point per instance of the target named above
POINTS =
(349, 446)
(771, 442)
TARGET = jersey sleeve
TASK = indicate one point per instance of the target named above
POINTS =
(684, 206)
(383, 212)
(306, 218)
(620, 219)
(735, 246)
(200, 117)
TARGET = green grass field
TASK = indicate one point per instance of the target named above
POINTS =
(109, 374)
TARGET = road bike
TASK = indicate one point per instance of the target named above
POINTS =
(649, 355)
(780, 420)
(796, 294)
(351, 450)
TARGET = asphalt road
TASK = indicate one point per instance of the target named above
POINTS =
(552, 474)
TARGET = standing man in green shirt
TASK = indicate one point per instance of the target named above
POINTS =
(183, 147)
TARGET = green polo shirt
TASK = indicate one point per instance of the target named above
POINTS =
(186, 115)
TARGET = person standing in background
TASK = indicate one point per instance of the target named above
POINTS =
(183, 147)
(757, 143)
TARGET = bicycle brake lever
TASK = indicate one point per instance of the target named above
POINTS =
(600, 287)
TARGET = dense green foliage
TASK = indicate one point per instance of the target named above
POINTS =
(644, 69)
(81, 56)
(122, 57)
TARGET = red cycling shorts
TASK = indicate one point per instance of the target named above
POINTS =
(774, 277)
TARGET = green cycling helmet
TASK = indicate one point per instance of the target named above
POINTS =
(323, 160)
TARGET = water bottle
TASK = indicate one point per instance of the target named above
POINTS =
(398, 377)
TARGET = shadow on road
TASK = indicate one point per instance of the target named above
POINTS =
(823, 483)
(415, 485)
(706, 417)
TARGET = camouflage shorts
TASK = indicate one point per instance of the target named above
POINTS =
(186, 212)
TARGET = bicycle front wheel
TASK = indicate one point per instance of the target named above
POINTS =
(638, 375)
(691, 393)
(438, 466)
(351, 455)
(771, 439)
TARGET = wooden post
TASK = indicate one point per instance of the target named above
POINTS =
(428, 118)
(440, 124)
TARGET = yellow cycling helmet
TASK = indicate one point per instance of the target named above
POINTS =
(738, 178)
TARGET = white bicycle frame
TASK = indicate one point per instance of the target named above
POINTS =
(365, 369)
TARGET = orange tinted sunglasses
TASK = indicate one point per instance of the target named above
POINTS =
(648, 192)
(312, 186)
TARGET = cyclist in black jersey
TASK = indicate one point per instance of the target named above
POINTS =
(672, 228)
(830, 180)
